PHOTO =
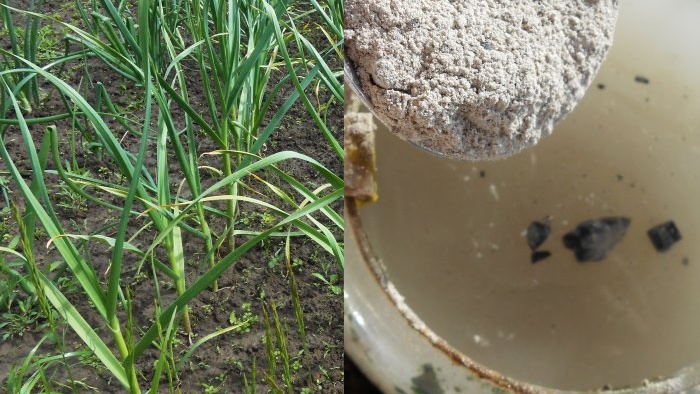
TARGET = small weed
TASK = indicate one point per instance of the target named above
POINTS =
(331, 282)
(275, 259)
(210, 389)
(267, 219)
(207, 309)
(49, 45)
(235, 362)
(68, 198)
(257, 219)
(5, 224)
(214, 388)
(246, 319)
(104, 172)
(17, 322)
(329, 279)
(328, 348)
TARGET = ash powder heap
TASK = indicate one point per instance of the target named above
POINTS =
(476, 79)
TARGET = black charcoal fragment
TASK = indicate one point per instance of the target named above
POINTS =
(539, 256)
(664, 235)
(537, 233)
(641, 79)
(593, 239)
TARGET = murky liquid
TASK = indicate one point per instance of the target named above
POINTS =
(452, 234)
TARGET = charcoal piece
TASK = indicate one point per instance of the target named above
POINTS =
(537, 233)
(539, 256)
(593, 239)
(664, 235)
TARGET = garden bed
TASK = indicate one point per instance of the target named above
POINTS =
(247, 329)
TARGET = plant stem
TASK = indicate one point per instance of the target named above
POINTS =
(231, 189)
(124, 352)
